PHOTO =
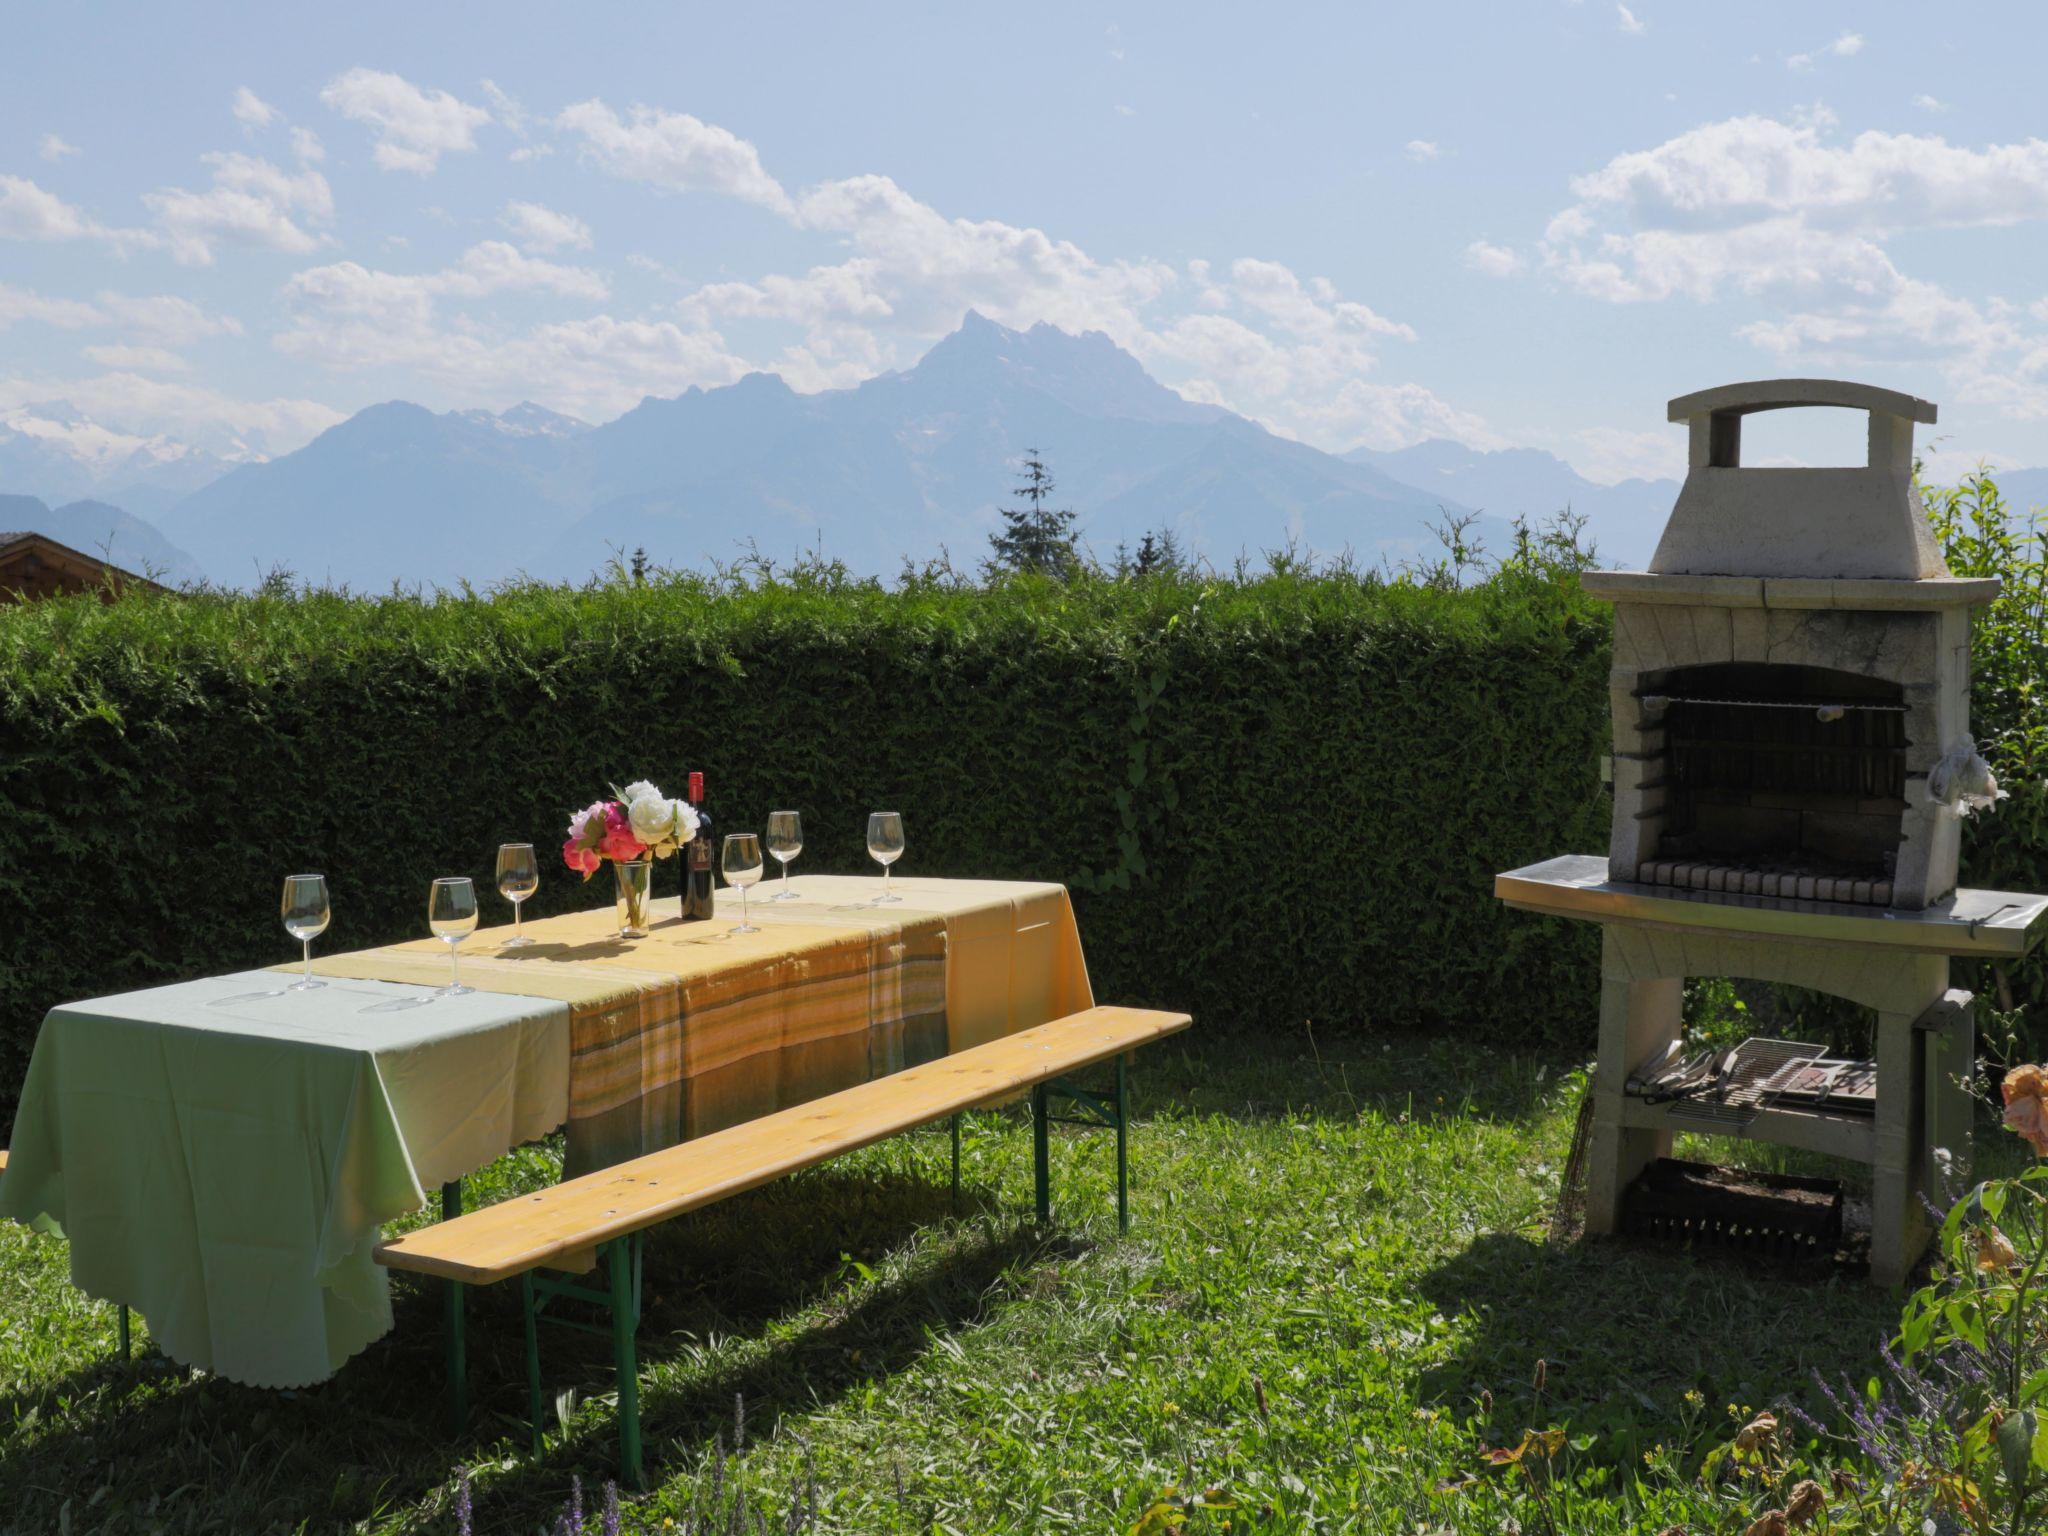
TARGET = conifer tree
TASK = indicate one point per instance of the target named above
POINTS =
(1035, 536)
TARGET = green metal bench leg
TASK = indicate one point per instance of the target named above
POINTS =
(624, 1319)
(532, 1315)
(121, 1330)
(1041, 1152)
(1123, 1121)
(956, 1159)
(458, 1359)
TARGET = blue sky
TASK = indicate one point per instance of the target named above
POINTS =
(1360, 224)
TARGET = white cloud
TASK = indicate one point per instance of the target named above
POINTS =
(349, 291)
(1124, 111)
(146, 406)
(1927, 103)
(1608, 455)
(1759, 205)
(1422, 150)
(1784, 215)
(54, 149)
(29, 212)
(1847, 46)
(18, 304)
(1493, 260)
(673, 150)
(165, 317)
(251, 202)
(413, 127)
(306, 147)
(506, 109)
(141, 359)
(1626, 19)
(252, 111)
(543, 229)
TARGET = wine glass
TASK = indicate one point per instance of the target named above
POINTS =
(518, 878)
(451, 914)
(742, 868)
(885, 847)
(785, 841)
(306, 915)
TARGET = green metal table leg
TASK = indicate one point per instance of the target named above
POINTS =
(624, 1320)
(121, 1331)
(532, 1315)
(956, 1159)
(1123, 1121)
(1041, 1153)
(458, 1360)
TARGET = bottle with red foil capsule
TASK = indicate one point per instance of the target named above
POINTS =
(697, 861)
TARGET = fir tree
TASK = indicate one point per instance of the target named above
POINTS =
(1035, 536)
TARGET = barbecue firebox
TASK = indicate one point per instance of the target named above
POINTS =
(1790, 702)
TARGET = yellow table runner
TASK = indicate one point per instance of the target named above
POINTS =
(695, 1027)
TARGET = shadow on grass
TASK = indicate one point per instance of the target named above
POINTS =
(1626, 1329)
(1262, 1076)
(147, 1446)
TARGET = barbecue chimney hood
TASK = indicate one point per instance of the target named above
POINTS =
(1790, 669)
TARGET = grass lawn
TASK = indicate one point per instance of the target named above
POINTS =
(1334, 1252)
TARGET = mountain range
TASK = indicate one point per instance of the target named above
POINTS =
(895, 468)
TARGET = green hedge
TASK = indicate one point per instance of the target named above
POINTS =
(1279, 800)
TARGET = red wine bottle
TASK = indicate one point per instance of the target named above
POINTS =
(696, 858)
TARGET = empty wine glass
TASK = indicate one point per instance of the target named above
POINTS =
(518, 878)
(306, 914)
(742, 868)
(885, 847)
(785, 841)
(451, 914)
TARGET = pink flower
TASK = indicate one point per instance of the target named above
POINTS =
(618, 841)
(583, 860)
(587, 824)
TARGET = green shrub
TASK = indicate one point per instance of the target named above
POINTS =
(1277, 798)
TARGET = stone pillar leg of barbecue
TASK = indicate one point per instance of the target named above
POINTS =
(1638, 1019)
(1899, 1149)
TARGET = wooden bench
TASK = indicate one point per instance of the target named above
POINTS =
(571, 1226)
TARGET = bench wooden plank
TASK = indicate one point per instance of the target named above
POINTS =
(575, 1216)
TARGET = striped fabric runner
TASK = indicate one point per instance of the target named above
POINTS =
(689, 1031)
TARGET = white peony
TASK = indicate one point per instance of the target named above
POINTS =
(653, 819)
(687, 823)
(639, 789)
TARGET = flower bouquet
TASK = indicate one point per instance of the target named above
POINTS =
(636, 826)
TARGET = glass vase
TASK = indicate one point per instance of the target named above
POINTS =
(636, 888)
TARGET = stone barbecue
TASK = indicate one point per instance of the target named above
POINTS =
(1792, 757)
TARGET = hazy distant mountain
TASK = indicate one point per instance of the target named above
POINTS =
(94, 528)
(1624, 520)
(898, 466)
(54, 452)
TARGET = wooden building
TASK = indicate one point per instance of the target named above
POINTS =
(35, 565)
